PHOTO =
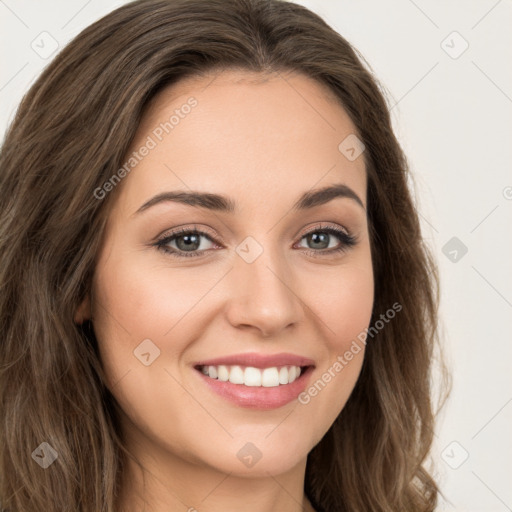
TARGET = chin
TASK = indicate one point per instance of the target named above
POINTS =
(255, 456)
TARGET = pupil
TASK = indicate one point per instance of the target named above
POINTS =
(190, 241)
(319, 238)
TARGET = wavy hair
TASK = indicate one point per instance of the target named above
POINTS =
(69, 135)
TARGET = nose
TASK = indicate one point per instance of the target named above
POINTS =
(262, 296)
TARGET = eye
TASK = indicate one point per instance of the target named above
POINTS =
(187, 242)
(321, 237)
(184, 242)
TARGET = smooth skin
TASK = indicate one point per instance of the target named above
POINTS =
(262, 140)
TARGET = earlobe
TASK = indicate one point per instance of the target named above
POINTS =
(83, 311)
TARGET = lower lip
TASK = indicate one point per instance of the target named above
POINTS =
(258, 397)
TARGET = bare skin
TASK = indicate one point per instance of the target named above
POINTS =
(262, 141)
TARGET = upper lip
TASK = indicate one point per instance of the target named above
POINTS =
(257, 360)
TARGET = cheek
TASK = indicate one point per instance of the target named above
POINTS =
(345, 303)
(145, 318)
(142, 327)
(137, 302)
(345, 307)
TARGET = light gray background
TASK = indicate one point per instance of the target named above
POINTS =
(452, 114)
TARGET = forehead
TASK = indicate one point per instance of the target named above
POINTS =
(270, 136)
(245, 80)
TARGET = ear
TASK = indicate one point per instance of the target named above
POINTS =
(83, 311)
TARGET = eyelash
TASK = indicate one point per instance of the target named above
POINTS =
(346, 239)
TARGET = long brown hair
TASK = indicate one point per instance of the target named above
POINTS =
(69, 136)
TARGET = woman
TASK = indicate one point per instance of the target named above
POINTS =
(215, 293)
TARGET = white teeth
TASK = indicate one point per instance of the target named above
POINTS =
(236, 375)
(253, 377)
(270, 377)
(222, 372)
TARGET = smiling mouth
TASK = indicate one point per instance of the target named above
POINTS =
(250, 376)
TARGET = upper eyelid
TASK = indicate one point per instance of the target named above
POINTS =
(201, 231)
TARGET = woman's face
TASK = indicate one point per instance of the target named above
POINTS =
(262, 278)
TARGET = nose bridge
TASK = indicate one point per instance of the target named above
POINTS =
(262, 294)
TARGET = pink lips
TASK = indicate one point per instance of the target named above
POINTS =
(257, 360)
(259, 398)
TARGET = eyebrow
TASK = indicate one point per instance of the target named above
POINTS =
(220, 203)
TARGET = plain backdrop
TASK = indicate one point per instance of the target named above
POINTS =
(446, 67)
